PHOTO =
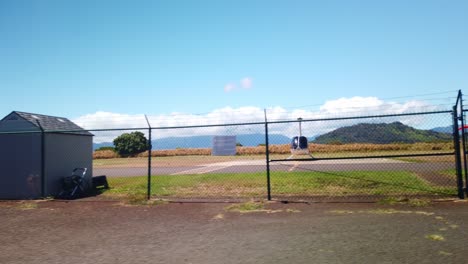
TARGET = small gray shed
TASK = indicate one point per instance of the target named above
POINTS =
(37, 151)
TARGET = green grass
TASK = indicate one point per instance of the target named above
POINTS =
(282, 184)
(353, 183)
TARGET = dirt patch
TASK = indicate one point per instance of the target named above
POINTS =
(438, 179)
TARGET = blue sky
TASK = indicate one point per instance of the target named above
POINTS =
(80, 58)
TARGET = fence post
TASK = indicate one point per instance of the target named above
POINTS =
(150, 147)
(456, 143)
(267, 155)
(462, 119)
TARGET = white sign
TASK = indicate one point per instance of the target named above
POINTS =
(224, 146)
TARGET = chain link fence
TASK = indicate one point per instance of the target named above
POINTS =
(323, 159)
(369, 164)
(127, 176)
(366, 158)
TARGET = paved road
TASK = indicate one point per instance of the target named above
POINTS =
(207, 233)
(259, 166)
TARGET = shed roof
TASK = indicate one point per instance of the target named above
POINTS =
(49, 123)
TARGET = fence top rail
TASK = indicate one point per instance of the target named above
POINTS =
(230, 124)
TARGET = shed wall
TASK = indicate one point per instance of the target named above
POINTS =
(63, 153)
(20, 166)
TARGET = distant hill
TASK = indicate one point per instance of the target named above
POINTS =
(382, 133)
(248, 140)
(447, 129)
(206, 141)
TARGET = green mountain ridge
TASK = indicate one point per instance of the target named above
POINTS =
(381, 133)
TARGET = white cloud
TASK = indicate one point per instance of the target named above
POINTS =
(350, 104)
(342, 107)
(246, 82)
(108, 120)
(229, 87)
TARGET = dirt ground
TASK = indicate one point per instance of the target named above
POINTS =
(112, 232)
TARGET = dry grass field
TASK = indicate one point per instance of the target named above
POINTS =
(285, 150)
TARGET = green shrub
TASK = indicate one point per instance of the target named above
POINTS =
(130, 144)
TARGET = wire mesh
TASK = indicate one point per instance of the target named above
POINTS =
(367, 158)
(187, 167)
(363, 157)
(127, 174)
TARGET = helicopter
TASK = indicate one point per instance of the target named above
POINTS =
(299, 144)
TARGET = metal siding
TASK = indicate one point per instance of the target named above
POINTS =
(20, 166)
(17, 125)
(64, 152)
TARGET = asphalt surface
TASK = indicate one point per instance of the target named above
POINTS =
(92, 232)
(259, 166)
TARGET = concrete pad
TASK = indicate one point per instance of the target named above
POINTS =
(263, 162)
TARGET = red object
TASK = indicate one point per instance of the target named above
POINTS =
(463, 127)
